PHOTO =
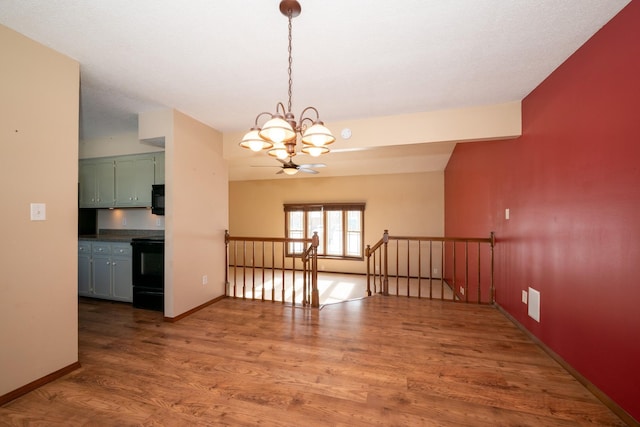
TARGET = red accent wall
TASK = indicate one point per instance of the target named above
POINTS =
(572, 184)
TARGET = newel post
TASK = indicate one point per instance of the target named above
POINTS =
(385, 282)
(368, 255)
(315, 295)
(226, 262)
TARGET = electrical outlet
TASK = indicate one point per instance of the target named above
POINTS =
(124, 221)
(205, 279)
(158, 222)
(435, 271)
(524, 297)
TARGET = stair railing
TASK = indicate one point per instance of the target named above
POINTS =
(271, 268)
(446, 268)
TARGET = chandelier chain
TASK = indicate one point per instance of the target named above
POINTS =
(290, 63)
(280, 134)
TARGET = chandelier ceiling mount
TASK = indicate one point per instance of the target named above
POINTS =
(280, 133)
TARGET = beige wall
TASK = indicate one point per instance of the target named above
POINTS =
(405, 204)
(38, 163)
(196, 215)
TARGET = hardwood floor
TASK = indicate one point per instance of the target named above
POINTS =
(374, 361)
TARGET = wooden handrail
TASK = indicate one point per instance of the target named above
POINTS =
(268, 239)
(444, 239)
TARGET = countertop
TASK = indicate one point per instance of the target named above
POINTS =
(125, 236)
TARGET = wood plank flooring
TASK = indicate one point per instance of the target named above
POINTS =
(375, 361)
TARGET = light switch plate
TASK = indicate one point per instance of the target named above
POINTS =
(38, 211)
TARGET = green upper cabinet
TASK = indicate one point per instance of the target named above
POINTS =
(119, 182)
(134, 178)
(97, 183)
(159, 157)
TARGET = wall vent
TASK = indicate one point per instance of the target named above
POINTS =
(534, 304)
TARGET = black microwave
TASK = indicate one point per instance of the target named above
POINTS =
(157, 199)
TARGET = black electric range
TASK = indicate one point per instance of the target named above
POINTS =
(148, 272)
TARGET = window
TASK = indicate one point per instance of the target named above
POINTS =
(339, 227)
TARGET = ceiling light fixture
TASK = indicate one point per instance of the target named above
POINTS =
(279, 135)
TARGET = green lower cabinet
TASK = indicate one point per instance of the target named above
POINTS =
(84, 269)
(101, 276)
(122, 286)
(106, 273)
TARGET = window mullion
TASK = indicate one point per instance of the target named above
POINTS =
(344, 233)
(324, 232)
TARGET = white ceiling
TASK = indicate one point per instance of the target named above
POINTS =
(224, 61)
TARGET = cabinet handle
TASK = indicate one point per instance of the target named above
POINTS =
(108, 263)
(113, 263)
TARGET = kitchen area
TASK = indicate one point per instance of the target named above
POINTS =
(121, 229)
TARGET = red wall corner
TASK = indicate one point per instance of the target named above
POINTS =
(572, 185)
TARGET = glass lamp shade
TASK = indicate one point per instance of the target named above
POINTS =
(318, 135)
(290, 171)
(252, 141)
(314, 151)
(277, 130)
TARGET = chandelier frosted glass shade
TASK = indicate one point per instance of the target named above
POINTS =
(314, 151)
(318, 135)
(279, 151)
(290, 171)
(277, 130)
(252, 141)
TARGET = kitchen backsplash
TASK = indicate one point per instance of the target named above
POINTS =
(129, 219)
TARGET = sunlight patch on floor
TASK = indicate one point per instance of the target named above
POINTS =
(332, 288)
(336, 291)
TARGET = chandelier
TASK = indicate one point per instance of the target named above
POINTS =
(279, 134)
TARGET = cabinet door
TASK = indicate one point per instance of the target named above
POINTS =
(101, 276)
(134, 177)
(105, 184)
(159, 172)
(84, 269)
(87, 185)
(96, 183)
(144, 181)
(122, 272)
